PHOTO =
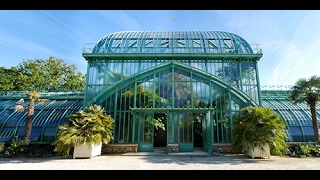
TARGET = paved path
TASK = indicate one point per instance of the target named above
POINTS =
(158, 161)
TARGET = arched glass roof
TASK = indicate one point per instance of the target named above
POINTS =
(297, 117)
(47, 116)
(180, 41)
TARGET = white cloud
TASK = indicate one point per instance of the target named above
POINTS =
(289, 63)
(297, 63)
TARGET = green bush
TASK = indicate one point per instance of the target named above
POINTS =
(17, 148)
(90, 126)
(257, 126)
(2, 147)
(304, 150)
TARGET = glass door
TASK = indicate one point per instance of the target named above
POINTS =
(145, 131)
(185, 132)
(180, 130)
(207, 131)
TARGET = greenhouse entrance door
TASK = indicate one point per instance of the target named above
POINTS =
(145, 130)
(180, 129)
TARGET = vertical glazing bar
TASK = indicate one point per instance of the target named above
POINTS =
(172, 86)
(134, 127)
(240, 73)
(258, 83)
(229, 127)
(115, 114)
(191, 86)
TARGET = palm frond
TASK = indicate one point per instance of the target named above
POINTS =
(21, 101)
(89, 126)
(256, 126)
(18, 108)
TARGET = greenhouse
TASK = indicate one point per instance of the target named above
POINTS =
(47, 116)
(193, 83)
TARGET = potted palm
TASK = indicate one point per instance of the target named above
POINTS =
(259, 132)
(84, 133)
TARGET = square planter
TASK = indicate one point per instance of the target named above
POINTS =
(86, 151)
(258, 151)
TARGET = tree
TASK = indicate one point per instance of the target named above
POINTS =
(32, 76)
(307, 90)
(33, 96)
(51, 74)
(7, 79)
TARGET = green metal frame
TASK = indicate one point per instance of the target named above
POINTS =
(173, 52)
(102, 96)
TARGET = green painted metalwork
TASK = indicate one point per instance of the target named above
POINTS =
(213, 42)
(172, 73)
(205, 61)
(12, 123)
(243, 57)
(171, 65)
(146, 131)
(297, 117)
(167, 110)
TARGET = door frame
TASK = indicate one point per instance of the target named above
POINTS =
(185, 147)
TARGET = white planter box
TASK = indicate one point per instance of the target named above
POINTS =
(258, 152)
(85, 151)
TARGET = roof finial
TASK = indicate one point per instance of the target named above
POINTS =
(172, 17)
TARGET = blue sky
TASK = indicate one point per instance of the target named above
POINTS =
(290, 39)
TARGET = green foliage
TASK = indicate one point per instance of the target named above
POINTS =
(304, 150)
(143, 97)
(17, 148)
(2, 147)
(256, 126)
(308, 91)
(91, 126)
(158, 123)
(38, 150)
(39, 74)
(7, 77)
(160, 133)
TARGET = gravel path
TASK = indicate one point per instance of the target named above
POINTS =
(164, 162)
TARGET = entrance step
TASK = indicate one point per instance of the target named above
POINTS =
(161, 151)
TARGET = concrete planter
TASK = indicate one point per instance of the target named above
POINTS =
(86, 151)
(257, 151)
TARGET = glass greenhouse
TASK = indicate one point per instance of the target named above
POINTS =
(192, 82)
(47, 116)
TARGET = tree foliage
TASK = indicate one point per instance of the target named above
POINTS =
(308, 90)
(39, 74)
(7, 79)
(90, 126)
(256, 126)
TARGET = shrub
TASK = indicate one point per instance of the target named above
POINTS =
(91, 126)
(257, 126)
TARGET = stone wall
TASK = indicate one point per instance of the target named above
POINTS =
(222, 148)
(119, 148)
(124, 148)
(173, 148)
